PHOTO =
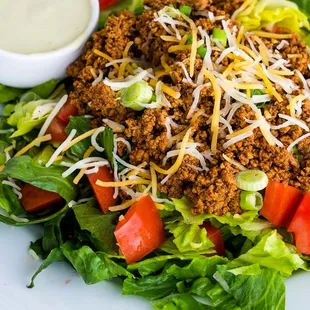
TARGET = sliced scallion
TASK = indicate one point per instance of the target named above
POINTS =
(202, 51)
(140, 92)
(185, 9)
(219, 35)
(251, 180)
(251, 201)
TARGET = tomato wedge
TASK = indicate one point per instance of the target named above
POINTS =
(215, 235)
(300, 226)
(36, 199)
(280, 203)
(141, 231)
(57, 129)
(104, 195)
(66, 111)
(105, 3)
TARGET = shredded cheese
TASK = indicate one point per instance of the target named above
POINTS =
(166, 89)
(179, 160)
(194, 45)
(116, 127)
(169, 39)
(123, 183)
(123, 206)
(271, 35)
(216, 109)
(32, 144)
(154, 182)
(61, 148)
(290, 147)
(107, 57)
(80, 138)
(53, 114)
(293, 103)
(82, 171)
(234, 163)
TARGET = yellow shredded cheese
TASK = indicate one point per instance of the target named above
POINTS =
(240, 35)
(154, 182)
(241, 131)
(122, 206)
(32, 144)
(122, 183)
(160, 206)
(241, 64)
(293, 103)
(248, 51)
(247, 86)
(248, 93)
(184, 40)
(179, 47)
(166, 89)
(80, 138)
(270, 35)
(229, 69)
(58, 158)
(161, 73)
(179, 160)
(269, 86)
(216, 109)
(164, 63)
(123, 66)
(194, 45)
(107, 57)
(290, 56)
(169, 39)
(280, 72)
(82, 171)
(264, 53)
(264, 130)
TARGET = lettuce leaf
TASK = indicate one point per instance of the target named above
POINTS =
(272, 252)
(184, 206)
(100, 226)
(253, 287)
(93, 267)
(267, 13)
(49, 178)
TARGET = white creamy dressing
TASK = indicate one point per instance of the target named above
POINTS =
(38, 26)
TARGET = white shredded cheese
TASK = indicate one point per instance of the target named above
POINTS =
(61, 148)
(94, 142)
(307, 135)
(116, 127)
(53, 114)
(237, 139)
(98, 79)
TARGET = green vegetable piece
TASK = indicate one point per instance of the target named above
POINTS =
(8, 109)
(44, 156)
(185, 9)
(251, 180)
(101, 226)
(45, 89)
(107, 141)
(55, 256)
(219, 35)
(202, 51)
(189, 39)
(29, 96)
(140, 92)
(93, 267)
(49, 178)
(82, 125)
(251, 201)
(3, 146)
(8, 94)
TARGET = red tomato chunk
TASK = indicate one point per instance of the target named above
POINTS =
(141, 231)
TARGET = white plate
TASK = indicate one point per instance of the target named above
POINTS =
(59, 287)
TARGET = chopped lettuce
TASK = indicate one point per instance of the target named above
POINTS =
(184, 206)
(268, 13)
(273, 253)
(49, 178)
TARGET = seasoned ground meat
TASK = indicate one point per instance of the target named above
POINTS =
(213, 189)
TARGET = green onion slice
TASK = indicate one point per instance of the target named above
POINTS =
(185, 9)
(219, 35)
(251, 180)
(251, 201)
(202, 51)
(140, 92)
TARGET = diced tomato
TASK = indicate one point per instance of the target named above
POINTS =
(104, 195)
(280, 203)
(66, 111)
(35, 199)
(215, 235)
(58, 130)
(106, 3)
(141, 231)
(300, 226)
